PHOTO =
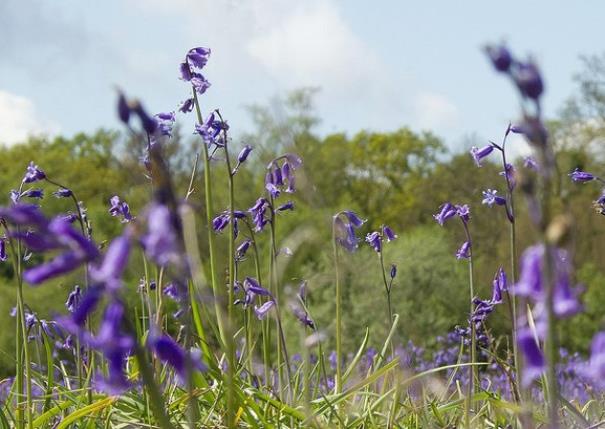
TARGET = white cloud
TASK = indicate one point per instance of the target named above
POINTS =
(19, 119)
(435, 112)
(313, 45)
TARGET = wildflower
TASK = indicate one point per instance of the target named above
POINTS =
(243, 155)
(534, 364)
(33, 174)
(596, 364)
(464, 252)
(393, 272)
(198, 57)
(479, 154)
(259, 214)
(63, 193)
(165, 123)
(530, 282)
(241, 250)
(73, 299)
(374, 239)
(186, 106)
(446, 211)
(530, 163)
(34, 193)
(463, 212)
(344, 230)
(160, 242)
(200, 84)
(287, 206)
(500, 57)
(261, 312)
(170, 352)
(210, 131)
(528, 80)
(120, 208)
(388, 233)
(490, 198)
(123, 108)
(302, 316)
(509, 174)
(278, 176)
(148, 123)
(3, 256)
(499, 285)
(581, 176)
(114, 263)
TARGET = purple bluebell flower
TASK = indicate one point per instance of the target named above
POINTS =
(498, 286)
(596, 365)
(259, 214)
(581, 176)
(220, 222)
(464, 252)
(200, 83)
(479, 154)
(210, 131)
(198, 57)
(170, 352)
(463, 211)
(446, 211)
(62, 264)
(120, 208)
(280, 174)
(531, 279)
(24, 215)
(490, 198)
(73, 299)
(302, 316)
(374, 239)
(354, 219)
(244, 153)
(160, 242)
(3, 256)
(33, 173)
(186, 106)
(114, 263)
(500, 57)
(148, 123)
(171, 290)
(63, 193)
(66, 235)
(393, 272)
(241, 250)
(261, 312)
(165, 123)
(344, 230)
(185, 71)
(123, 108)
(287, 206)
(534, 364)
(528, 79)
(510, 175)
(253, 289)
(34, 193)
(388, 233)
(529, 162)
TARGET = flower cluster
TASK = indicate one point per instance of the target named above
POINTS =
(448, 211)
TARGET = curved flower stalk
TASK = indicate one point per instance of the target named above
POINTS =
(375, 240)
(527, 78)
(462, 212)
(344, 225)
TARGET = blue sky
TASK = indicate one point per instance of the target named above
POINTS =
(380, 65)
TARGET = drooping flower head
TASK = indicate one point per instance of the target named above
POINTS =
(119, 209)
(165, 123)
(33, 173)
(500, 57)
(280, 174)
(446, 211)
(211, 131)
(345, 223)
(259, 213)
(581, 176)
(533, 359)
(479, 154)
(195, 60)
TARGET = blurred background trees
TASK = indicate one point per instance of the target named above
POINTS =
(398, 178)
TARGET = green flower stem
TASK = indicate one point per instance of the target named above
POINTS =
(218, 290)
(338, 380)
